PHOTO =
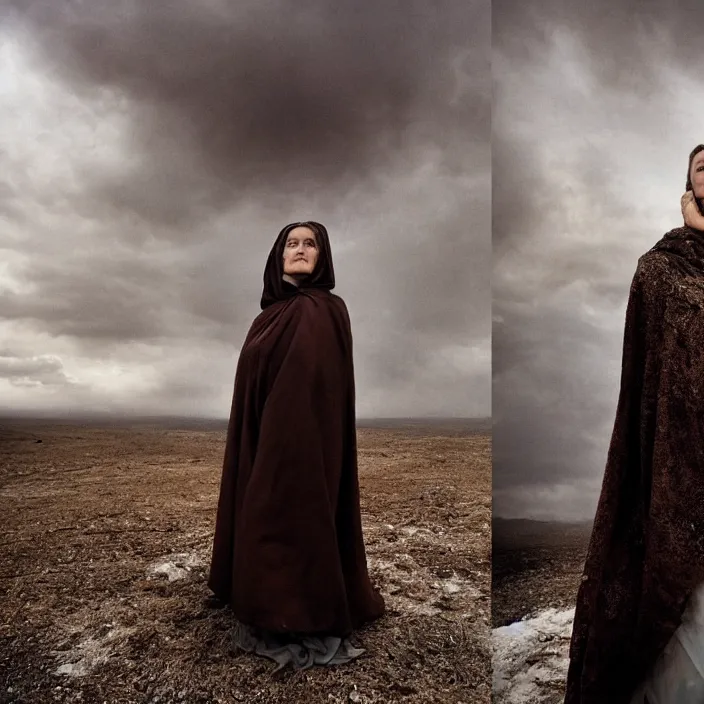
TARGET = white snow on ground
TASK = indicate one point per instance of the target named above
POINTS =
(530, 658)
(175, 566)
(91, 652)
(415, 589)
(97, 647)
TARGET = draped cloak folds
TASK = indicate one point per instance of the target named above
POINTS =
(646, 553)
(288, 551)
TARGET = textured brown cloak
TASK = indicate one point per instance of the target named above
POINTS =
(646, 552)
(288, 551)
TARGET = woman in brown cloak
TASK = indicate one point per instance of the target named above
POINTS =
(638, 632)
(288, 552)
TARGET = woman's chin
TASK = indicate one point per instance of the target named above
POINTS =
(298, 272)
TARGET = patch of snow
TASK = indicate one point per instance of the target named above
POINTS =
(530, 658)
(175, 566)
(405, 574)
(82, 659)
(453, 585)
(419, 532)
(410, 606)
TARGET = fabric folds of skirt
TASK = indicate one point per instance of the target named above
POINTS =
(300, 651)
(678, 674)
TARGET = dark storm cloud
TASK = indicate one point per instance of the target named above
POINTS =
(67, 300)
(150, 152)
(591, 128)
(621, 39)
(268, 96)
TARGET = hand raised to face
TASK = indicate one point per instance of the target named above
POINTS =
(692, 217)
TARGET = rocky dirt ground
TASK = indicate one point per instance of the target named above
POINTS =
(106, 541)
(537, 567)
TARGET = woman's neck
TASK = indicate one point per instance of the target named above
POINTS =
(290, 279)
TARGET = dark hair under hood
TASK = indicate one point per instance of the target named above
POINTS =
(323, 276)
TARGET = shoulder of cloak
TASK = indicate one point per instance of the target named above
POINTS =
(657, 269)
(666, 283)
(336, 317)
(666, 246)
(653, 267)
(340, 303)
(318, 297)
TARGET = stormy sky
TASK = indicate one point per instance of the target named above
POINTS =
(596, 107)
(151, 152)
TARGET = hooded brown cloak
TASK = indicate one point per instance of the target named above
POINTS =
(288, 552)
(646, 553)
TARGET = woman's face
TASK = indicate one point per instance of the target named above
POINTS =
(301, 251)
(697, 174)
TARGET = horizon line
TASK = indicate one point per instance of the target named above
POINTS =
(42, 415)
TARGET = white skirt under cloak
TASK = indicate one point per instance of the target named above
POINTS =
(678, 675)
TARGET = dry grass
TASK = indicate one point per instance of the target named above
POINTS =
(106, 542)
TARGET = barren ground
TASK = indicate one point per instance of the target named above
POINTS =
(536, 565)
(537, 569)
(105, 547)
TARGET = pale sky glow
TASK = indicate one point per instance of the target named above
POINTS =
(144, 175)
(594, 117)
